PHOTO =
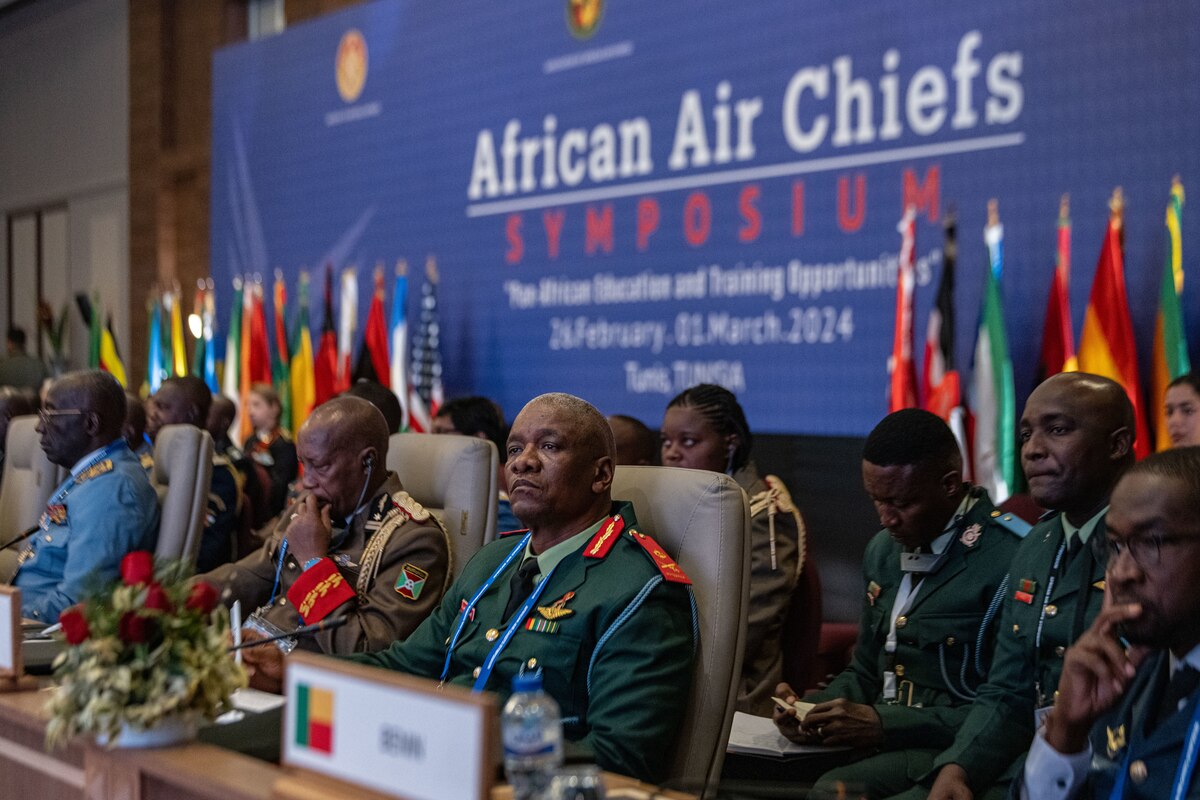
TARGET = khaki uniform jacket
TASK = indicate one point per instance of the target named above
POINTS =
(395, 558)
(777, 549)
(612, 633)
(944, 637)
(1027, 666)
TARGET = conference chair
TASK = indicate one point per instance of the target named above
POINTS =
(455, 478)
(182, 473)
(702, 519)
(29, 480)
(803, 667)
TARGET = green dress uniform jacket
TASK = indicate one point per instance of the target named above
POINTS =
(1034, 633)
(618, 661)
(391, 566)
(943, 642)
(91, 522)
(776, 557)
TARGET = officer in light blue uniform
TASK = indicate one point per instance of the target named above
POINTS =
(105, 509)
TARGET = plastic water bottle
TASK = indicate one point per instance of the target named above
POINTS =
(531, 727)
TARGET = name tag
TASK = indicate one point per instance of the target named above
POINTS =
(387, 732)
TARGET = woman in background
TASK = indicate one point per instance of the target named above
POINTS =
(1183, 410)
(270, 446)
(705, 428)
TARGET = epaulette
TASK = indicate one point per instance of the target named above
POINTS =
(147, 460)
(414, 510)
(775, 496)
(666, 565)
(1011, 523)
(599, 545)
(99, 468)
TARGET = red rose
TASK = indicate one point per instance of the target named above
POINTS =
(203, 597)
(74, 625)
(134, 628)
(137, 567)
(157, 599)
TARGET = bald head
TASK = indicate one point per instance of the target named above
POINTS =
(343, 446)
(588, 424)
(1076, 440)
(348, 422)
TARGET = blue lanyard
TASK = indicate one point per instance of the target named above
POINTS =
(1183, 773)
(518, 617)
(278, 570)
(1062, 548)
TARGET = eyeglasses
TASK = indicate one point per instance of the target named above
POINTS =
(1146, 551)
(45, 415)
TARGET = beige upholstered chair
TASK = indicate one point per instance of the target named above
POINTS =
(455, 478)
(182, 473)
(702, 519)
(29, 480)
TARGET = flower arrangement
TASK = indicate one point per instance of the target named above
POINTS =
(150, 647)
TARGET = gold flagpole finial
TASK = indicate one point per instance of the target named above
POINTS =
(1064, 207)
(1116, 206)
(401, 267)
(993, 212)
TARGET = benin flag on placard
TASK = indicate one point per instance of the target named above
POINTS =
(314, 718)
(1170, 359)
(1107, 346)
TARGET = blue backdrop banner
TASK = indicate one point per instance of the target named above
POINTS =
(626, 198)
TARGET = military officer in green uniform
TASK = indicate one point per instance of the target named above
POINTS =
(353, 543)
(105, 509)
(585, 596)
(931, 582)
(1076, 440)
(1127, 720)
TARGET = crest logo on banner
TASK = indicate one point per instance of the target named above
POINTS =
(351, 67)
(583, 17)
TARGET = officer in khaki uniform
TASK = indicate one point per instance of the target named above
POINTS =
(353, 543)
(1115, 732)
(931, 582)
(1076, 441)
(585, 596)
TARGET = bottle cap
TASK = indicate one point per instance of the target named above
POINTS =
(527, 682)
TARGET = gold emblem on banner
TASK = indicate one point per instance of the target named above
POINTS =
(583, 17)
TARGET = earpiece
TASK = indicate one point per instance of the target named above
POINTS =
(368, 462)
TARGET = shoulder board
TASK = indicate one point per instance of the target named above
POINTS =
(96, 469)
(666, 565)
(147, 460)
(1011, 523)
(502, 534)
(414, 510)
(599, 545)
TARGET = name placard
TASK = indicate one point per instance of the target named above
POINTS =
(389, 733)
(10, 632)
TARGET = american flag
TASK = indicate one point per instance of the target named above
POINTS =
(426, 396)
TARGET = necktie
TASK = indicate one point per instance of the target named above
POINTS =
(520, 585)
(1182, 684)
(1073, 548)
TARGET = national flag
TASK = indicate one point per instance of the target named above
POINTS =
(347, 327)
(399, 338)
(300, 376)
(280, 362)
(178, 347)
(373, 363)
(426, 395)
(208, 320)
(325, 365)
(1170, 359)
(155, 373)
(231, 385)
(196, 324)
(902, 386)
(102, 343)
(256, 350)
(1107, 346)
(1058, 340)
(993, 399)
(941, 384)
(314, 718)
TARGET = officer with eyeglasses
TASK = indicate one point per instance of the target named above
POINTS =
(103, 510)
(1127, 720)
(1076, 437)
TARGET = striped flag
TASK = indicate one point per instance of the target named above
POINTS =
(231, 385)
(347, 327)
(300, 376)
(314, 718)
(208, 321)
(399, 338)
(902, 387)
(1058, 340)
(1107, 346)
(178, 348)
(325, 365)
(280, 362)
(102, 343)
(941, 385)
(427, 393)
(373, 363)
(155, 374)
(993, 400)
(1170, 359)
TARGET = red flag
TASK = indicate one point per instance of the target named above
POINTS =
(325, 364)
(1107, 346)
(903, 385)
(373, 361)
(1058, 341)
